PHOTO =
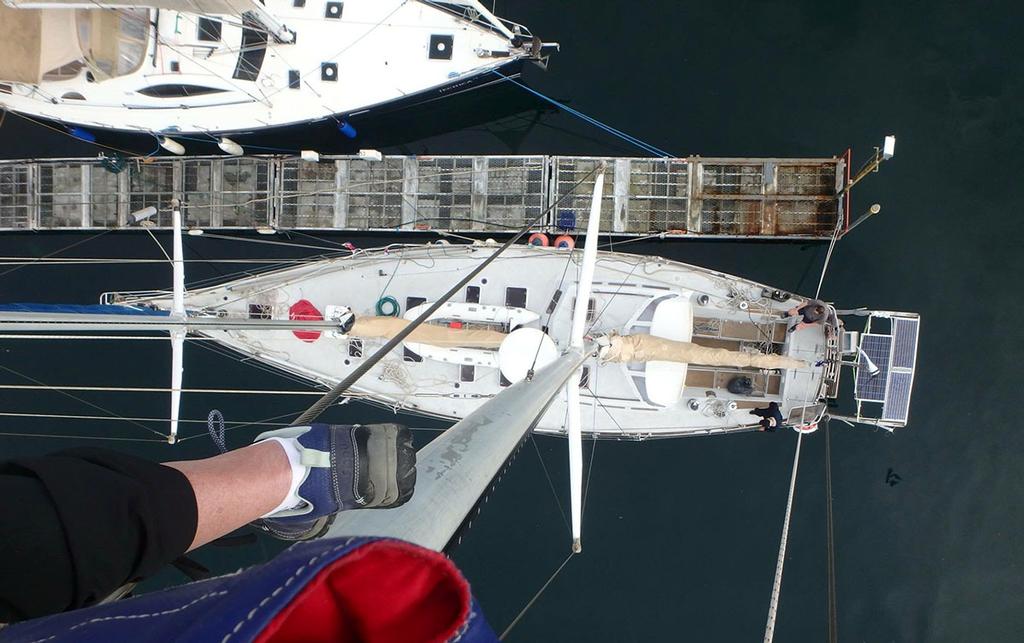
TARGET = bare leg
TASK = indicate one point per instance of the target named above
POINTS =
(236, 488)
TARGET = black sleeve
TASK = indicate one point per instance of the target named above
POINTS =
(78, 524)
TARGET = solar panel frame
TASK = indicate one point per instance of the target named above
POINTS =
(904, 350)
(878, 348)
(897, 397)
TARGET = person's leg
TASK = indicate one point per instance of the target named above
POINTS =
(105, 518)
(78, 524)
(236, 488)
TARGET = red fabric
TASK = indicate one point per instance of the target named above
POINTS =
(383, 592)
(304, 310)
(455, 324)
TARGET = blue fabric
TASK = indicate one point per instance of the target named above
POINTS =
(227, 609)
(95, 309)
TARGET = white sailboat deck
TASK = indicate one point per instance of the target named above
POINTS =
(771, 198)
(620, 400)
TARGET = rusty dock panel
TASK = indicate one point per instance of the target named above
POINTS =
(693, 197)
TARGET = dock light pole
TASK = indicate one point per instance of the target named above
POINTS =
(886, 152)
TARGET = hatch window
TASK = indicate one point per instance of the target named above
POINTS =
(355, 348)
(178, 91)
(113, 42)
(209, 30)
(515, 297)
(411, 356)
(253, 50)
(472, 294)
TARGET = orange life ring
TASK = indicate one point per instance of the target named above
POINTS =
(538, 239)
(565, 242)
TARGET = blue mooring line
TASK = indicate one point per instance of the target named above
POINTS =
(593, 121)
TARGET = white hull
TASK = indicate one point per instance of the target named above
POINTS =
(623, 401)
(376, 53)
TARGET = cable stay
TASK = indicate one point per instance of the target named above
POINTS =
(773, 605)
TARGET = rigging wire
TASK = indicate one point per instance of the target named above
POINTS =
(161, 440)
(67, 416)
(58, 251)
(832, 608)
(828, 256)
(650, 149)
(773, 605)
(40, 386)
(63, 132)
(64, 391)
(533, 600)
(86, 261)
(551, 483)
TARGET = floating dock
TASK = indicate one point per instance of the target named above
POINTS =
(763, 198)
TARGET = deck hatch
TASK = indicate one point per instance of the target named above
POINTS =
(441, 47)
(515, 297)
(876, 348)
(329, 72)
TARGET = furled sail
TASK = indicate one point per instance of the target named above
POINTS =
(648, 348)
(388, 327)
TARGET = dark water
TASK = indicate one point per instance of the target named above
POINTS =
(681, 536)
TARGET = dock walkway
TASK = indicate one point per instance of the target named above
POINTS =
(770, 198)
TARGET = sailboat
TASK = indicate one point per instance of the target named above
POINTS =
(188, 73)
(655, 348)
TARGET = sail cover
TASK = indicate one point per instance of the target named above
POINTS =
(34, 42)
(227, 7)
(646, 348)
(388, 327)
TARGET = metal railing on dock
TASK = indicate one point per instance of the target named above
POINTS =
(703, 197)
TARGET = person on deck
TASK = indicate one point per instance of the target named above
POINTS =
(811, 313)
(78, 524)
(771, 417)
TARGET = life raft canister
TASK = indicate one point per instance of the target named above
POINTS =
(304, 310)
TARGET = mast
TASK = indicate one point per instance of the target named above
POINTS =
(579, 322)
(454, 470)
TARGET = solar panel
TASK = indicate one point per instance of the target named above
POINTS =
(871, 388)
(904, 351)
(897, 400)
